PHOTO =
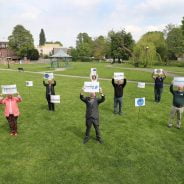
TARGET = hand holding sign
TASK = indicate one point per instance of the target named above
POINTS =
(91, 87)
(9, 89)
(119, 76)
(48, 76)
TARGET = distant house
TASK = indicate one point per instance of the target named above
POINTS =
(5, 52)
(47, 49)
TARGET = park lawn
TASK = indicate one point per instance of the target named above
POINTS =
(49, 146)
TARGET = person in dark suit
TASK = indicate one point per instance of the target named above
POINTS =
(92, 114)
(50, 91)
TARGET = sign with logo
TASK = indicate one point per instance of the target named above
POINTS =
(178, 81)
(118, 76)
(29, 83)
(55, 98)
(139, 102)
(93, 71)
(9, 89)
(141, 85)
(91, 87)
(48, 76)
(158, 71)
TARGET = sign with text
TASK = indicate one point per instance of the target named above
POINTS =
(158, 71)
(9, 89)
(48, 76)
(139, 102)
(29, 83)
(55, 98)
(141, 85)
(118, 76)
(93, 71)
(178, 81)
(91, 87)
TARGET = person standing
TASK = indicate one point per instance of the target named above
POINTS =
(50, 91)
(118, 95)
(178, 105)
(11, 111)
(92, 114)
(158, 87)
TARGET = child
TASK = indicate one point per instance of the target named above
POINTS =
(92, 114)
(11, 111)
(178, 105)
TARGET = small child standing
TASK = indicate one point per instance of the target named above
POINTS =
(11, 111)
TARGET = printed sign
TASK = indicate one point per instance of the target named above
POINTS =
(48, 76)
(118, 76)
(139, 102)
(141, 85)
(9, 89)
(91, 87)
(55, 98)
(93, 71)
(158, 71)
(178, 81)
(29, 83)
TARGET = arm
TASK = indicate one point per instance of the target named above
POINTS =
(44, 83)
(153, 76)
(113, 82)
(54, 84)
(1, 99)
(83, 98)
(18, 98)
(124, 83)
(171, 89)
(102, 99)
(164, 75)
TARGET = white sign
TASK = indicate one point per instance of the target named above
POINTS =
(48, 76)
(178, 81)
(158, 71)
(118, 76)
(93, 71)
(29, 83)
(141, 85)
(139, 102)
(91, 87)
(55, 98)
(9, 89)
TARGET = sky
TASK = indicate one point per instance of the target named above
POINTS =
(63, 20)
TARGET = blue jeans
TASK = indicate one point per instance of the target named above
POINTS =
(118, 104)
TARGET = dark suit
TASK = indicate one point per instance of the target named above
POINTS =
(92, 113)
(50, 91)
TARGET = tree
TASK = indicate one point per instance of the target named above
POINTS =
(42, 38)
(182, 27)
(33, 54)
(121, 45)
(21, 41)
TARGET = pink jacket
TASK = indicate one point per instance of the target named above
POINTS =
(11, 106)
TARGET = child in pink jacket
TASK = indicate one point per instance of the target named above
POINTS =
(11, 111)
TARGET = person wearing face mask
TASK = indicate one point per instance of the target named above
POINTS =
(11, 111)
(178, 105)
(50, 91)
(92, 114)
(158, 87)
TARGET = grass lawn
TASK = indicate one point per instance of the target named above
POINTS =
(49, 146)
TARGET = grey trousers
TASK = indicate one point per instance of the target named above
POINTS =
(118, 102)
(178, 112)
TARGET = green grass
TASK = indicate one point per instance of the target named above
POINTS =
(49, 146)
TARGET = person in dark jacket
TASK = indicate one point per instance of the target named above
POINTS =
(50, 91)
(158, 87)
(118, 95)
(92, 114)
(178, 105)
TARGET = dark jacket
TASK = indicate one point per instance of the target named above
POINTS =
(178, 97)
(159, 82)
(49, 88)
(92, 106)
(118, 89)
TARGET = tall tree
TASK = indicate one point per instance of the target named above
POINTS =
(42, 38)
(21, 41)
(182, 27)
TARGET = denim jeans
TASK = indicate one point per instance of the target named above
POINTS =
(118, 104)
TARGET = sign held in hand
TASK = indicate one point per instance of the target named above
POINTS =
(158, 71)
(91, 87)
(48, 76)
(55, 98)
(178, 81)
(119, 76)
(9, 89)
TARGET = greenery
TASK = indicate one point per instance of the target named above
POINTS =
(21, 41)
(42, 38)
(49, 146)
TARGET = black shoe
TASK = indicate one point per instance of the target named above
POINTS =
(86, 139)
(99, 140)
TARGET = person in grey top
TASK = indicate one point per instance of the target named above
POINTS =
(92, 114)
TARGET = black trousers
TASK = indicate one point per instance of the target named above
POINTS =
(50, 105)
(95, 123)
(158, 93)
(12, 120)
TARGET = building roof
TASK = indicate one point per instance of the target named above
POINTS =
(61, 54)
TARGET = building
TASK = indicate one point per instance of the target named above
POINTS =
(48, 48)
